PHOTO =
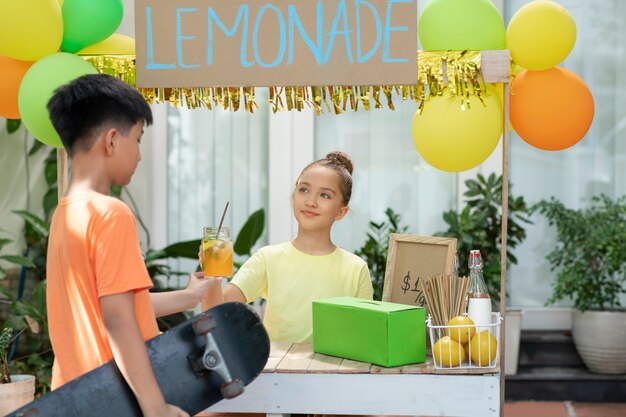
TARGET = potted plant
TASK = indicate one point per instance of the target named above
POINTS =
(479, 226)
(590, 261)
(15, 390)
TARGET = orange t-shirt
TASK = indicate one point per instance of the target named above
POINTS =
(93, 251)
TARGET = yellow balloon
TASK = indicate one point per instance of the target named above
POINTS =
(115, 44)
(540, 35)
(452, 139)
(30, 29)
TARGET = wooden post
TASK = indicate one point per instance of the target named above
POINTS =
(505, 217)
(62, 172)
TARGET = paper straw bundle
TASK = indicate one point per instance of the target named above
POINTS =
(445, 297)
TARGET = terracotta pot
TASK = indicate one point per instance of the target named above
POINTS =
(20, 391)
(600, 338)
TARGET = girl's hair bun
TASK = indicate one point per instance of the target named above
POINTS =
(340, 159)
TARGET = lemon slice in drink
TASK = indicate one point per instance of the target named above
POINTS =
(208, 244)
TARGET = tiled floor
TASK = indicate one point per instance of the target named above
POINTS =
(563, 409)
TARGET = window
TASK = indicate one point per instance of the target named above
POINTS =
(595, 165)
(388, 172)
(213, 157)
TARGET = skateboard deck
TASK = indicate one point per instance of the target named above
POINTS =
(197, 363)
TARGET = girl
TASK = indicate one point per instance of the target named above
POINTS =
(291, 275)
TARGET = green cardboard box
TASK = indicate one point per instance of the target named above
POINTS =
(386, 334)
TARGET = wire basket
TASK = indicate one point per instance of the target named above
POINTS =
(450, 354)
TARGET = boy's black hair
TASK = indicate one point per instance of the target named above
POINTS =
(81, 108)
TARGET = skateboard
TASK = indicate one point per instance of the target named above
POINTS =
(197, 363)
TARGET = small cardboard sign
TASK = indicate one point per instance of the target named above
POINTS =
(210, 43)
(412, 258)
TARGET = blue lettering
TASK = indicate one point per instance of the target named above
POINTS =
(242, 13)
(283, 36)
(341, 13)
(151, 65)
(372, 51)
(295, 19)
(180, 37)
(389, 28)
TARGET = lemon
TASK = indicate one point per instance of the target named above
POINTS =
(461, 334)
(448, 352)
(466, 348)
(207, 244)
(483, 348)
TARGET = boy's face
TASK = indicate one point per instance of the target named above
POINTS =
(127, 154)
(317, 200)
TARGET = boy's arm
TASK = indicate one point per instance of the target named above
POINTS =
(170, 302)
(131, 355)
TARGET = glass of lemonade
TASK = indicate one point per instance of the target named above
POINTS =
(217, 252)
(216, 258)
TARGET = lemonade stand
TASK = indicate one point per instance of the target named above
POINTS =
(335, 56)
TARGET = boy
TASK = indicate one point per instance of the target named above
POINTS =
(99, 306)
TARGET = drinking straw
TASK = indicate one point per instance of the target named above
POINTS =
(222, 219)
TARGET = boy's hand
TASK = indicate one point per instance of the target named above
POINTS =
(199, 286)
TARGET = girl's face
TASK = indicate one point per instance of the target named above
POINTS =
(317, 200)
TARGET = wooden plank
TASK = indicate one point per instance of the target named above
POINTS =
(503, 243)
(428, 368)
(375, 369)
(277, 352)
(62, 172)
(496, 66)
(368, 394)
(349, 366)
(297, 359)
(324, 364)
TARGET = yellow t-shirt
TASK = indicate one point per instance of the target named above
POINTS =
(290, 280)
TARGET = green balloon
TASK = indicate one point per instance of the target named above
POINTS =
(458, 25)
(87, 22)
(38, 85)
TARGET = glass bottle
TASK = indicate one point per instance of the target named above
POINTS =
(478, 301)
(456, 266)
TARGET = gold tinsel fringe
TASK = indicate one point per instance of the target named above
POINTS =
(456, 73)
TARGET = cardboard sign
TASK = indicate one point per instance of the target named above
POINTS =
(412, 258)
(210, 43)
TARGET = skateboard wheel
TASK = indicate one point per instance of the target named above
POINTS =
(232, 389)
(204, 325)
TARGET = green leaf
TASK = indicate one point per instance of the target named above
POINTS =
(51, 173)
(153, 255)
(36, 146)
(116, 191)
(18, 260)
(4, 242)
(188, 249)
(13, 125)
(250, 232)
(50, 201)
(40, 226)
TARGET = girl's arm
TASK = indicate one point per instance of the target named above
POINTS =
(233, 293)
(131, 355)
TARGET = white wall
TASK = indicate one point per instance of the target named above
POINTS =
(17, 175)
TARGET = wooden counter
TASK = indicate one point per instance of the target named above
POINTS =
(298, 381)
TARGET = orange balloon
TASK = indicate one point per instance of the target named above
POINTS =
(552, 109)
(11, 73)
